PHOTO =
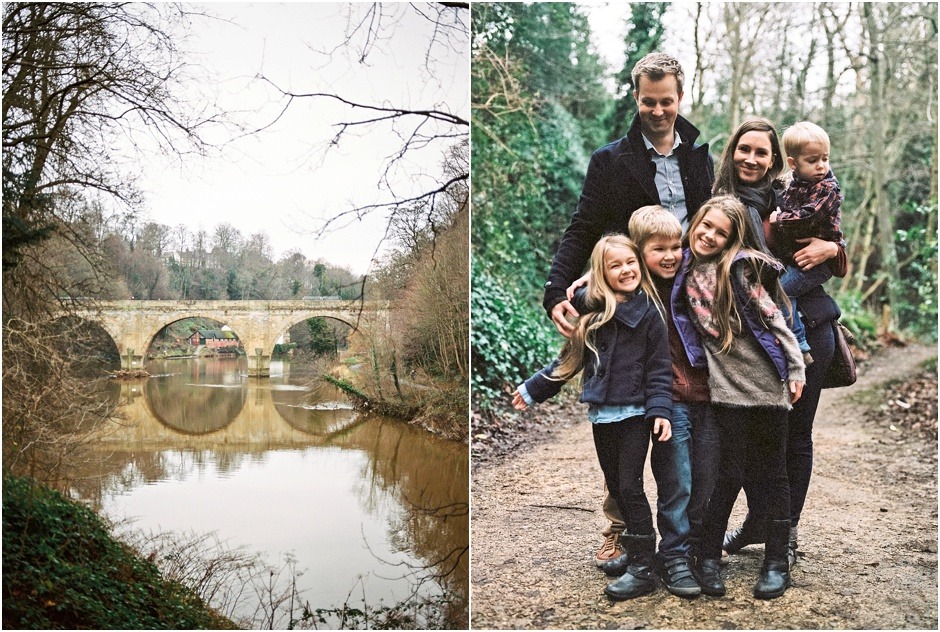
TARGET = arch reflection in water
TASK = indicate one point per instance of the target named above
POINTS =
(295, 470)
(307, 402)
(196, 396)
(201, 396)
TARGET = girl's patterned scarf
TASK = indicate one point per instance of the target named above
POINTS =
(700, 286)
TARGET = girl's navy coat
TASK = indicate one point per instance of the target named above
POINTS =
(634, 365)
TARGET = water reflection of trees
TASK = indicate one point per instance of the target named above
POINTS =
(429, 478)
(118, 471)
(423, 477)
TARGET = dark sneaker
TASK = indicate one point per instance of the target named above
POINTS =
(678, 578)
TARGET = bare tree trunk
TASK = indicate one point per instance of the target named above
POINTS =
(733, 18)
(700, 67)
(865, 248)
(744, 24)
(878, 136)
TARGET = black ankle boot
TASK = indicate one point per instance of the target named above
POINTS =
(617, 566)
(638, 579)
(775, 573)
(751, 532)
(708, 573)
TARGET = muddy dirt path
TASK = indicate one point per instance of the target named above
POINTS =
(868, 534)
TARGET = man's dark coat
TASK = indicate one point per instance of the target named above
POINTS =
(619, 180)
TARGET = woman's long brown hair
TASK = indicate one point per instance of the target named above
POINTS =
(726, 180)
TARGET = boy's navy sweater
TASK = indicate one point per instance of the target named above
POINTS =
(634, 364)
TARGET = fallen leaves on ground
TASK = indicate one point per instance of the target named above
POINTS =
(498, 432)
(911, 406)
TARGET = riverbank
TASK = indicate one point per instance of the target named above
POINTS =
(63, 570)
(440, 410)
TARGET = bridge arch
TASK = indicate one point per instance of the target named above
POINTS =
(88, 339)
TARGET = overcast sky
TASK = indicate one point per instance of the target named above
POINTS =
(280, 180)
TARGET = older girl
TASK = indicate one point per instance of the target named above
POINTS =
(620, 342)
(756, 372)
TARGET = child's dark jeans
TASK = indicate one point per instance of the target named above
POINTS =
(796, 283)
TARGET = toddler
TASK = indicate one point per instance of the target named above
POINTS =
(809, 207)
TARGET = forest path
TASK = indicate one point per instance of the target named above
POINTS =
(868, 534)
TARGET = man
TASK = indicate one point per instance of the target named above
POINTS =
(656, 163)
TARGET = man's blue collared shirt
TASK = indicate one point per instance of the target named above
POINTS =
(669, 181)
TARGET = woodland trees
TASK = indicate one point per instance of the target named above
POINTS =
(866, 72)
(77, 79)
(846, 67)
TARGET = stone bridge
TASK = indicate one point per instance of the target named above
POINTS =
(258, 324)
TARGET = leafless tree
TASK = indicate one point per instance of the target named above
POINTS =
(370, 28)
(79, 81)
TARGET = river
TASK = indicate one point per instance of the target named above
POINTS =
(363, 506)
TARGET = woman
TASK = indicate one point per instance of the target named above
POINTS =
(749, 168)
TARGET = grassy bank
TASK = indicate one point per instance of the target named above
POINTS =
(438, 409)
(63, 570)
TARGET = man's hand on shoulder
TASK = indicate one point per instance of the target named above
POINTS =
(560, 315)
(581, 282)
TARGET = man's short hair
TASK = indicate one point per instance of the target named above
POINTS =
(656, 66)
(653, 221)
(801, 134)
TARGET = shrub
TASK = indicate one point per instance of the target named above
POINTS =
(509, 339)
(859, 319)
(917, 249)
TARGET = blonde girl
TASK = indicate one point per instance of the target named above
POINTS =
(620, 343)
(732, 322)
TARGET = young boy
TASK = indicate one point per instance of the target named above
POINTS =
(809, 207)
(686, 466)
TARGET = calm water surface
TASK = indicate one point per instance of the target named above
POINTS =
(285, 466)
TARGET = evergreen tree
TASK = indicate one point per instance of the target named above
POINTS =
(645, 31)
